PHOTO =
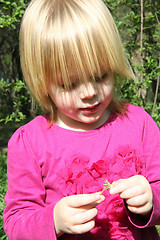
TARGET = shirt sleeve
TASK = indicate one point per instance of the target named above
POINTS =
(26, 215)
(151, 149)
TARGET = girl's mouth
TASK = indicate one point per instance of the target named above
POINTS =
(89, 110)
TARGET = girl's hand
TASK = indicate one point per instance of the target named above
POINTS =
(75, 214)
(137, 193)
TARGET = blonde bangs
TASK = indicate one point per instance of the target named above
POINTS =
(85, 43)
(75, 50)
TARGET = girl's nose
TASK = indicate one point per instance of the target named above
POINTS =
(88, 90)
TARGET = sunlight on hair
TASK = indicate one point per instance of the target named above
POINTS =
(59, 37)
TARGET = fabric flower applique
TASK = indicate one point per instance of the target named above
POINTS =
(125, 163)
(81, 178)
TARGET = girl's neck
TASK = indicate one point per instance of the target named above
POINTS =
(74, 125)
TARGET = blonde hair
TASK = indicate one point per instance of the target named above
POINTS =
(59, 35)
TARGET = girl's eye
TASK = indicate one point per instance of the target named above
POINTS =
(102, 78)
(97, 79)
(62, 86)
(73, 85)
(70, 86)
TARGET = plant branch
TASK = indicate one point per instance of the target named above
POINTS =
(141, 37)
(157, 84)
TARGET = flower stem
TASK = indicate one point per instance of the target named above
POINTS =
(107, 186)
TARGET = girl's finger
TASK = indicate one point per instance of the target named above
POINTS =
(119, 186)
(143, 210)
(137, 201)
(80, 200)
(124, 184)
(83, 228)
(84, 217)
(132, 192)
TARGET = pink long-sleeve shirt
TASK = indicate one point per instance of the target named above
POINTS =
(47, 162)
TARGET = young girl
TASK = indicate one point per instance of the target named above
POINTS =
(72, 57)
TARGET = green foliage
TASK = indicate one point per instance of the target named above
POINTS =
(11, 13)
(141, 38)
(16, 99)
(155, 115)
(158, 229)
(10, 16)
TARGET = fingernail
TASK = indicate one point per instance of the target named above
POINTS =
(98, 196)
(102, 197)
(111, 191)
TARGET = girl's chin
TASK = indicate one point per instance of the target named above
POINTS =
(89, 119)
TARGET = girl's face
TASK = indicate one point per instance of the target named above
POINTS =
(84, 105)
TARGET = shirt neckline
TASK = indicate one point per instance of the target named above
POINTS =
(87, 132)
